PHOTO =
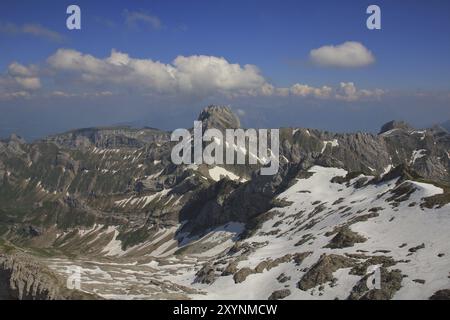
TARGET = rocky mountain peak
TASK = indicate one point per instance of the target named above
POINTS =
(395, 125)
(219, 117)
(12, 145)
(15, 139)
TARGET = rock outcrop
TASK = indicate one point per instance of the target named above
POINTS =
(23, 278)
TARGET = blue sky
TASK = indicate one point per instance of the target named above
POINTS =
(408, 57)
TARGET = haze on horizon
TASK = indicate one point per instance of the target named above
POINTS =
(276, 63)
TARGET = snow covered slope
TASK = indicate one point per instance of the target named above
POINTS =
(333, 235)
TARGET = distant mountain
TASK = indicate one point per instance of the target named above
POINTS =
(393, 125)
(110, 201)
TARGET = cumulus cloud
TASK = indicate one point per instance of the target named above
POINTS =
(62, 94)
(26, 77)
(17, 70)
(14, 95)
(304, 90)
(349, 54)
(29, 83)
(348, 92)
(194, 74)
(75, 74)
(214, 73)
(136, 18)
(31, 29)
(19, 81)
(19, 77)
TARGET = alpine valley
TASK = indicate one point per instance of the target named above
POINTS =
(110, 203)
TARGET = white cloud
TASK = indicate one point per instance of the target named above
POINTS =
(26, 77)
(31, 29)
(29, 83)
(62, 94)
(348, 54)
(213, 73)
(17, 70)
(14, 95)
(134, 18)
(75, 74)
(348, 92)
(200, 75)
(20, 77)
(304, 90)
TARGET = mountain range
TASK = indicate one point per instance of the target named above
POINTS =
(342, 209)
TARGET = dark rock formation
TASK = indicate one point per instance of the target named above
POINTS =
(22, 278)
(322, 271)
(390, 283)
(280, 294)
(394, 125)
(441, 295)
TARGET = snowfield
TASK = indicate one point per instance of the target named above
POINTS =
(361, 223)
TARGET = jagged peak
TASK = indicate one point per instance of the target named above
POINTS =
(15, 139)
(219, 117)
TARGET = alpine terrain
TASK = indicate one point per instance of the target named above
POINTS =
(348, 216)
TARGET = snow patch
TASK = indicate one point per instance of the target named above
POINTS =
(417, 154)
(217, 172)
(334, 143)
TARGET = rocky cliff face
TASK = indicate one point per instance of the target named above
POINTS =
(23, 278)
